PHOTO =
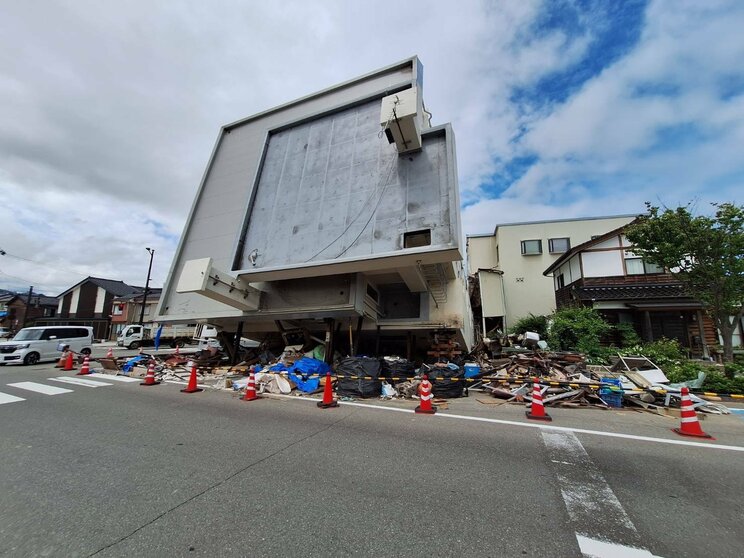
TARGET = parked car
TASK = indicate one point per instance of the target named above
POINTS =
(35, 344)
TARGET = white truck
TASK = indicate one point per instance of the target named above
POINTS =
(135, 336)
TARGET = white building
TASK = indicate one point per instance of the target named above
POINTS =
(334, 212)
(507, 266)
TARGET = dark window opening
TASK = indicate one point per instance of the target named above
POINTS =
(416, 239)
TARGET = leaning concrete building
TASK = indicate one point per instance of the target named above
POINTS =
(337, 212)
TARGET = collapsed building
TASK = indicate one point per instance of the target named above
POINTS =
(334, 217)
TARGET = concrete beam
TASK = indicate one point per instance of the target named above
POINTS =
(199, 276)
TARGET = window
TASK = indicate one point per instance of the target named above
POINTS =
(560, 281)
(118, 309)
(531, 247)
(636, 266)
(559, 245)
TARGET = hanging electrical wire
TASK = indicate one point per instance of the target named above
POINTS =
(383, 182)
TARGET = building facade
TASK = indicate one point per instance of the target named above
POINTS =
(606, 275)
(88, 303)
(337, 210)
(127, 310)
(506, 268)
(17, 311)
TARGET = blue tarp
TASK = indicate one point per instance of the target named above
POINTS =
(158, 333)
(305, 367)
(132, 361)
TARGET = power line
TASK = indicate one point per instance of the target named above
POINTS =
(4, 253)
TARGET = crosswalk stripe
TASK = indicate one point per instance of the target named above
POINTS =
(40, 388)
(79, 382)
(115, 378)
(5, 398)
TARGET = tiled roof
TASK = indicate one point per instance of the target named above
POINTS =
(631, 292)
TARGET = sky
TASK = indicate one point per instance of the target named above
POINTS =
(109, 110)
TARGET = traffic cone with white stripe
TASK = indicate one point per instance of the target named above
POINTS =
(328, 400)
(425, 407)
(150, 377)
(537, 410)
(68, 362)
(110, 353)
(690, 426)
(85, 369)
(250, 389)
(192, 387)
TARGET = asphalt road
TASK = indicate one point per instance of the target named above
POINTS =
(125, 470)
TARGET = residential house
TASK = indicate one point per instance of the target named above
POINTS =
(605, 274)
(16, 311)
(506, 268)
(127, 310)
(336, 211)
(88, 303)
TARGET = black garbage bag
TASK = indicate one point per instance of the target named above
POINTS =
(446, 383)
(349, 370)
(397, 371)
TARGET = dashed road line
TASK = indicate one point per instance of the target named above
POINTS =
(114, 378)
(79, 381)
(40, 388)
(590, 502)
(6, 398)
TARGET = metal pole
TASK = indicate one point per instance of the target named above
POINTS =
(147, 286)
(28, 305)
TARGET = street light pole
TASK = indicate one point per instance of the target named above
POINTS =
(147, 286)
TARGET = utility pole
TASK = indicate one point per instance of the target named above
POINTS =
(28, 305)
(147, 286)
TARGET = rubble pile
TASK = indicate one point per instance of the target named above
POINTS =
(565, 379)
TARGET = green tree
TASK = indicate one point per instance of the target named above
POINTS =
(577, 329)
(705, 253)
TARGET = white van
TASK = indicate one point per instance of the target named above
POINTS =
(35, 344)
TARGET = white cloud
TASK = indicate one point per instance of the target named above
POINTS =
(110, 112)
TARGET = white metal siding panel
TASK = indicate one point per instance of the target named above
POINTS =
(491, 294)
(74, 301)
(575, 266)
(100, 299)
(602, 264)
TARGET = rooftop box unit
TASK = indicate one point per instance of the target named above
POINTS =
(399, 117)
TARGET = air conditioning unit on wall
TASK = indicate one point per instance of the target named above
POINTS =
(399, 118)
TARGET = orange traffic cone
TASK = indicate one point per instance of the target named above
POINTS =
(250, 389)
(328, 400)
(191, 388)
(537, 411)
(85, 369)
(425, 407)
(690, 426)
(68, 363)
(150, 377)
(110, 353)
(62, 360)
(178, 350)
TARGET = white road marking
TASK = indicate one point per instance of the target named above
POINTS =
(708, 445)
(40, 388)
(115, 378)
(603, 549)
(590, 502)
(5, 398)
(79, 382)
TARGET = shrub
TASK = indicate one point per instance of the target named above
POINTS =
(578, 329)
(628, 335)
(538, 324)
